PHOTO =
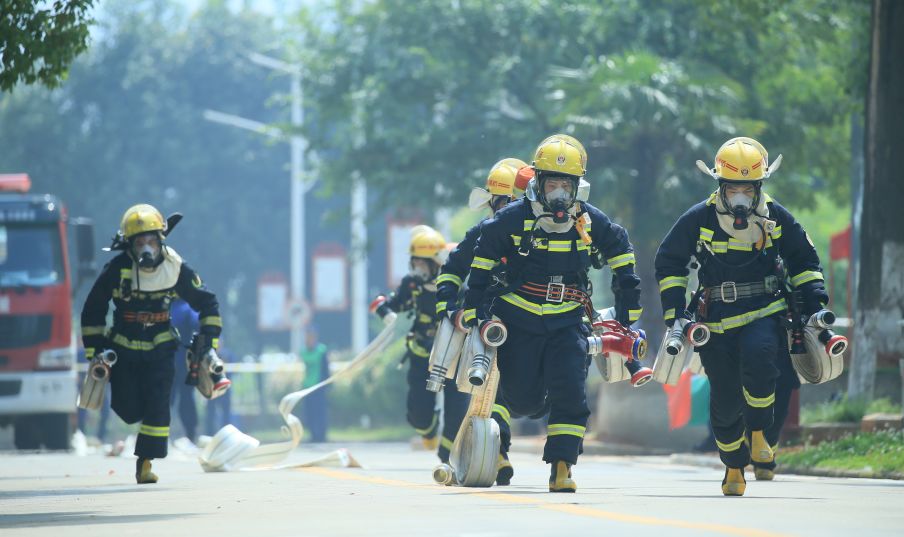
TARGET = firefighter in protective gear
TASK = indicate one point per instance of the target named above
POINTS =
(417, 294)
(547, 239)
(744, 243)
(506, 181)
(142, 281)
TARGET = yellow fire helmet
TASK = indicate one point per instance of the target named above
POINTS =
(503, 180)
(571, 140)
(559, 157)
(427, 243)
(139, 219)
(741, 160)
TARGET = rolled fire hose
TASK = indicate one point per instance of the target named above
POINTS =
(231, 449)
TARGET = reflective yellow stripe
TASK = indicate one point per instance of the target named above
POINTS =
(125, 273)
(503, 413)
(706, 234)
(633, 315)
(482, 263)
(759, 402)
(516, 240)
(93, 330)
(746, 318)
(448, 277)
(432, 425)
(720, 247)
(539, 309)
(777, 232)
(215, 343)
(734, 244)
(417, 349)
(620, 260)
(669, 314)
(446, 443)
(89, 353)
(672, 281)
(558, 429)
(579, 245)
(806, 276)
(540, 244)
(734, 446)
(440, 307)
(560, 246)
(424, 318)
(139, 345)
(528, 225)
(213, 320)
(469, 315)
(159, 432)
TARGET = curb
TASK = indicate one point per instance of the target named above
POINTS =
(712, 461)
(534, 445)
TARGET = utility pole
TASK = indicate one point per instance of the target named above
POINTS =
(298, 187)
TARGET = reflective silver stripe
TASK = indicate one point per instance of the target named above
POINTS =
(557, 429)
(93, 330)
(149, 430)
(806, 276)
(746, 318)
(539, 309)
(672, 281)
(759, 402)
(733, 446)
(482, 263)
(503, 413)
(620, 260)
(560, 246)
(449, 277)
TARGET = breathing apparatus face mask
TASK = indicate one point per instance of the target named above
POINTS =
(497, 202)
(421, 269)
(740, 204)
(146, 251)
(559, 198)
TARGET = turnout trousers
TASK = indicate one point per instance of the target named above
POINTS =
(141, 383)
(742, 371)
(421, 406)
(546, 371)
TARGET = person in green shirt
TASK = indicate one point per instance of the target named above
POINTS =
(317, 368)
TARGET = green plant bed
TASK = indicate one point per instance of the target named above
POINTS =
(845, 410)
(879, 453)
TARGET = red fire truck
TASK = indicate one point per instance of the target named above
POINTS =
(38, 382)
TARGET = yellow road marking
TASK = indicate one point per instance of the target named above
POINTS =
(578, 510)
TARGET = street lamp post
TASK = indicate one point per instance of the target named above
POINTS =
(298, 187)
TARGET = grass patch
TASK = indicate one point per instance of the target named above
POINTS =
(845, 410)
(881, 453)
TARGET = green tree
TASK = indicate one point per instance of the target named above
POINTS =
(411, 96)
(127, 127)
(39, 40)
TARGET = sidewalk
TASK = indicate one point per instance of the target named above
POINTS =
(534, 444)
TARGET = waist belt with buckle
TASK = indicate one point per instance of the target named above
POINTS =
(729, 292)
(557, 293)
(145, 317)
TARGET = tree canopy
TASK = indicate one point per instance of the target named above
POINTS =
(39, 40)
